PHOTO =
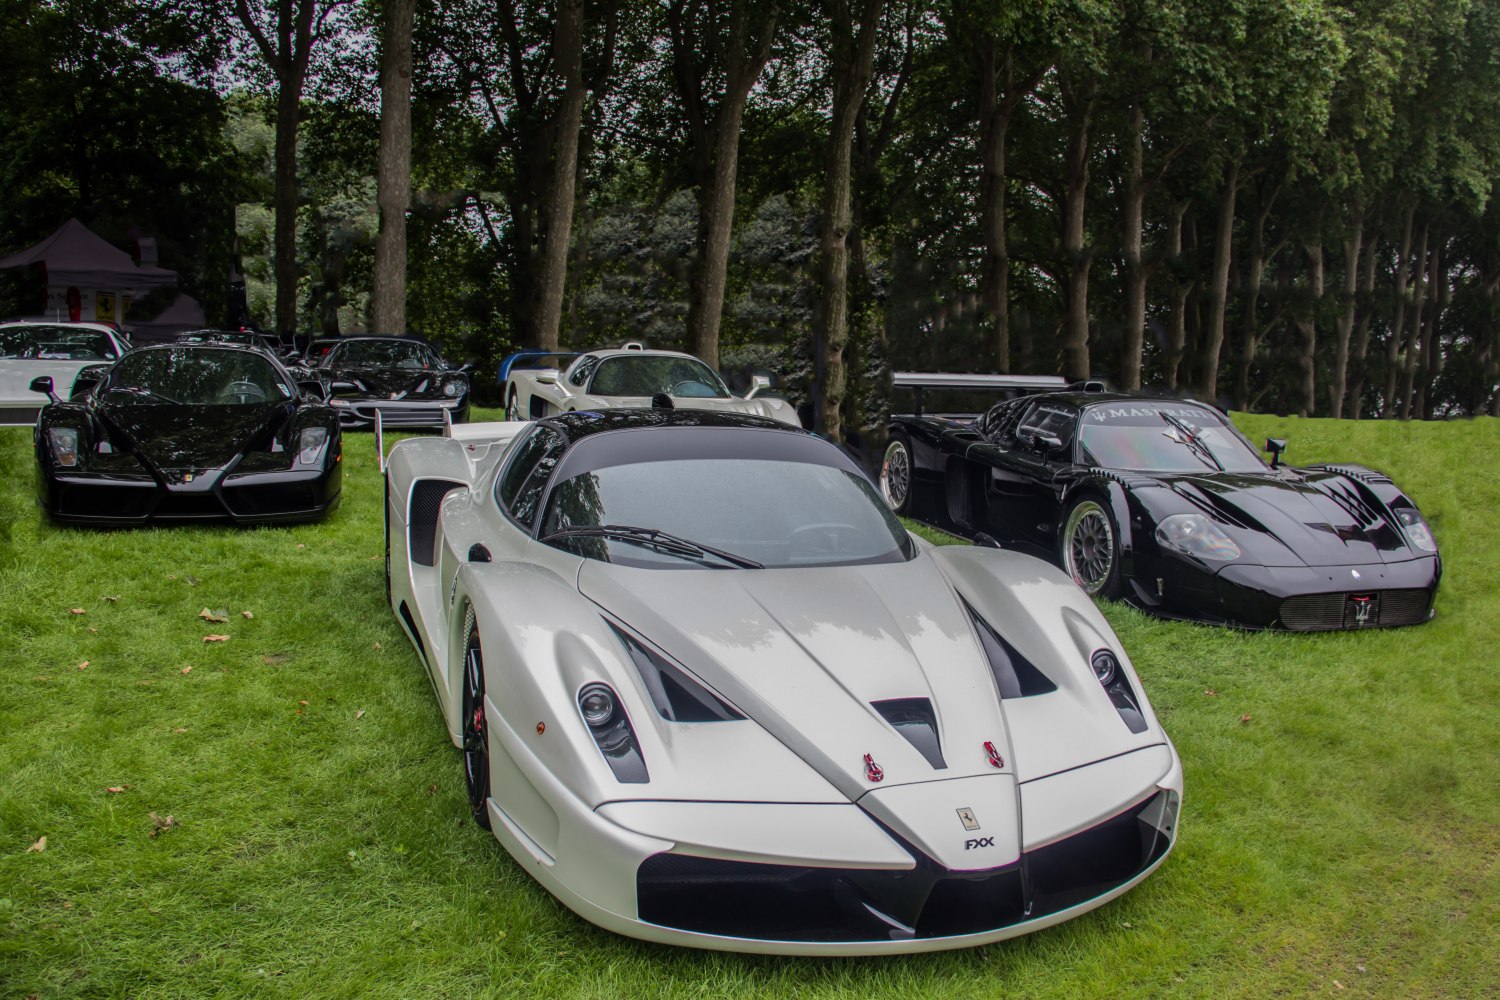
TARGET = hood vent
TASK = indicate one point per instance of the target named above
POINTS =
(677, 697)
(914, 719)
(1015, 676)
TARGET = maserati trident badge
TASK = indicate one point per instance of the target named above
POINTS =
(966, 816)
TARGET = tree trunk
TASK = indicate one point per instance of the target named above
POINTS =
(1255, 273)
(1413, 342)
(393, 171)
(1390, 406)
(1362, 328)
(567, 55)
(1213, 341)
(1136, 273)
(1307, 326)
(288, 100)
(852, 65)
(1344, 327)
(1177, 337)
(717, 178)
(1077, 257)
(1431, 362)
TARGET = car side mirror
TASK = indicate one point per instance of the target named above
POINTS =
(467, 367)
(314, 387)
(1274, 447)
(334, 387)
(546, 380)
(43, 384)
(758, 384)
(1045, 444)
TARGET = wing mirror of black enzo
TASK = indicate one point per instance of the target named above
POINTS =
(314, 388)
(43, 384)
(1274, 447)
(1045, 444)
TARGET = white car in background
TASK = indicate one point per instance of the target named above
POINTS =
(32, 348)
(710, 692)
(634, 377)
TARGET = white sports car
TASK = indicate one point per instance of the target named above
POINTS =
(709, 692)
(633, 377)
(32, 348)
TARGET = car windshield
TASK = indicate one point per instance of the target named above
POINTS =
(55, 343)
(383, 354)
(195, 376)
(775, 513)
(1163, 437)
(649, 374)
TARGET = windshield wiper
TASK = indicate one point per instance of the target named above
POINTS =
(140, 390)
(1191, 439)
(655, 538)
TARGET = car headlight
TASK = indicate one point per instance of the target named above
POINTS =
(1196, 535)
(1416, 528)
(311, 444)
(452, 387)
(64, 442)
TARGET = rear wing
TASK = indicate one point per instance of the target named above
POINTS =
(918, 381)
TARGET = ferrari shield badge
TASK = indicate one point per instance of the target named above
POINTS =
(966, 816)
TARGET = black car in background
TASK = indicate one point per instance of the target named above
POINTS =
(188, 432)
(1163, 503)
(404, 379)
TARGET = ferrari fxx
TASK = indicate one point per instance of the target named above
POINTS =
(188, 433)
(1163, 503)
(59, 351)
(404, 379)
(633, 377)
(710, 692)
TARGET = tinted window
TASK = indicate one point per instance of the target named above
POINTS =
(647, 375)
(55, 343)
(584, 369)
(778, 513)
(1047, 420)
(383, 354)
(519, 487)
(1163, 437)
(195, 376)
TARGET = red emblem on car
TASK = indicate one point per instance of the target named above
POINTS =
(873, 771)
(995, 759)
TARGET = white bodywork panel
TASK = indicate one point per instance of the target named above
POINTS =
(802, 653)
(16, 374)
(550, 391)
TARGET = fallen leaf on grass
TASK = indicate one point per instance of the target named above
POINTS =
(179, 729)
(246, 615)
(302, 702)
(160, 824)
(216, 638)
(432, 789)
(359, 715)
(110, 598)
(213, 616)
(377, 645)
(187, 669)
(75, 611)
(1245, 719)
(116, 789)
(84, 665)
(192, 581)
(1211, 693)
(94, 628)
(301, 546)
(42, 677)
(38, 847)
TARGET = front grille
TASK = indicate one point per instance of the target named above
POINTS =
(794, 903)
(190, 505)
(1383, 608)
(274, 498)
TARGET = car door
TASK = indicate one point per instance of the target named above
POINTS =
(1025, 466)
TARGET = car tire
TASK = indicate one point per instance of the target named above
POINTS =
(896, 479)
(513, 405)
(1089, 547)
(475, 730)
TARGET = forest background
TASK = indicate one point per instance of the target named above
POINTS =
(1279, 205)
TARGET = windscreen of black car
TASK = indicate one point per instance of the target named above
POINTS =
(383, 354)
(649, 374)
(195, 376)
(778, 512)
(44, 342)
(1141, 436)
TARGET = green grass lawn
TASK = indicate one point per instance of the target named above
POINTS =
(1340, 833)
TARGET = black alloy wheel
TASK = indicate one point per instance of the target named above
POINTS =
(1091, 548)
(896, 475)
(476, 745)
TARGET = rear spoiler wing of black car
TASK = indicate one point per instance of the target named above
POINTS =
(917, 381)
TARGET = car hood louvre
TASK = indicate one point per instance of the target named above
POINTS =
(765, 640)
(1301, 522)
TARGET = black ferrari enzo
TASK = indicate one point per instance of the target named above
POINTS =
(403, 378)
(1163, 503)
(188, 432)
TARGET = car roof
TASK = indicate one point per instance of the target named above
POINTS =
(579, 424)
(616, 352)
(62, 324)
(1090, 400)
